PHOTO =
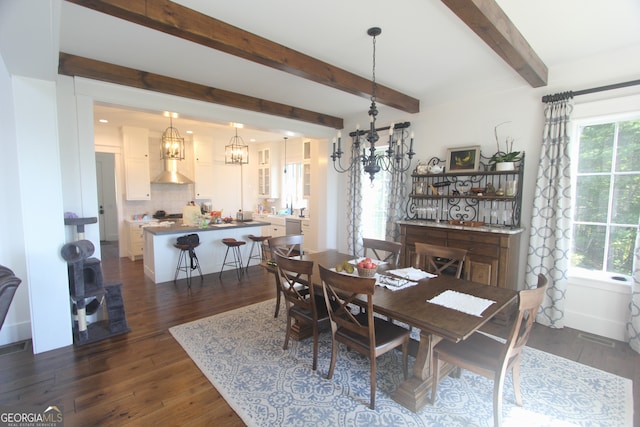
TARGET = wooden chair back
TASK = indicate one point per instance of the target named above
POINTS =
(382, 250)
(357, 330)
(295, 277)
(287, 246)
(440, 259)
(340, 293)
(490, 357)
(529, 302)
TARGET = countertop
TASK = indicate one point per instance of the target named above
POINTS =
(177, 227)
(444, 225)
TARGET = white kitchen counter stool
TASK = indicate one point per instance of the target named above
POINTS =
(260, 256)
(187, 262)
(236, 263)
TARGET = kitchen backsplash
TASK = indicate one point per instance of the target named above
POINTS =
(167, 197)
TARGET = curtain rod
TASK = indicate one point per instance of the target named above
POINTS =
(569, 94)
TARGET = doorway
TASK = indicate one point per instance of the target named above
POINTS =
(106, 189)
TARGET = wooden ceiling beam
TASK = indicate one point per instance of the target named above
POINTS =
(71, 65)
(188, 24)
(488, 20)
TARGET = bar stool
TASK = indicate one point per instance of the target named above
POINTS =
(187, 265)
(234, 245)
(260, 255)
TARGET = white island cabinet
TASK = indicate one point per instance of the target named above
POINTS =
(161, 257)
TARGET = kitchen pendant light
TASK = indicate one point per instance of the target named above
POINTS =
(172, 143)
(171, 151)
(237, 152)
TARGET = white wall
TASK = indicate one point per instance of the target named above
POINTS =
(470, 121)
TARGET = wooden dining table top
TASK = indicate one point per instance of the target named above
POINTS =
(409, 305)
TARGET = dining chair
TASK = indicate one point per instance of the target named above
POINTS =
(287, 246)
(8, 286)
(383, 250)
(490, 357)
(302, 303)
(361, 331)
(440, 259)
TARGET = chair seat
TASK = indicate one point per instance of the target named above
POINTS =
(258, 238)
(185, 247)
(479, 349)
(387, 333)
(231, 242)
(306, 314)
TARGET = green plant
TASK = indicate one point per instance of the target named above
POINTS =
(504, 156)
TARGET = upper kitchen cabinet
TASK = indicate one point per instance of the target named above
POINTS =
(203, 169)
(136, 163)
(268, 166)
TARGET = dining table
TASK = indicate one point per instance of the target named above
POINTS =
(410, 305)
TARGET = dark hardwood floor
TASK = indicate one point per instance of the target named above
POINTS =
(145, 378)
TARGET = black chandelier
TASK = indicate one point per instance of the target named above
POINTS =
(396, 158)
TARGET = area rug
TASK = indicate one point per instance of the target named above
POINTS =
(241, 353)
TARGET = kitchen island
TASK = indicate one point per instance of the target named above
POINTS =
(161, 257)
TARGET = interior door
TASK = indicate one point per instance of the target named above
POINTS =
(106, 190)
(99, 181)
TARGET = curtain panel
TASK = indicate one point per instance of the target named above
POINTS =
(550, 231)
(633, 325)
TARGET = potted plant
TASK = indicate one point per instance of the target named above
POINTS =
(504, 160)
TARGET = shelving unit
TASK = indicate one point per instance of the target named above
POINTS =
(447, 196)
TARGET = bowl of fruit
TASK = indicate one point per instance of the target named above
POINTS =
(367, 268)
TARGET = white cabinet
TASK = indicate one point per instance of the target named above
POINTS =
(203, 170)
(267, 175)
(277, 226)
(135, 239)
(306, 180)
(306, 150)
(136, 163)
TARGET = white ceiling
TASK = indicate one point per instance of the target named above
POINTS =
(424, 50)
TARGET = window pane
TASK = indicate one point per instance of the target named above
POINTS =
(628, 146)
(626, 199)
(592, 193)
(588, 246)
(621, 245)
(596, 148)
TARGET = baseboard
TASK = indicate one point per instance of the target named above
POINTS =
(11, 333)
(595, 325)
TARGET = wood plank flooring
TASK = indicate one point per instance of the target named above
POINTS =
(145, 378)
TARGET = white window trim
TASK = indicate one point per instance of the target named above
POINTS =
(614, 109)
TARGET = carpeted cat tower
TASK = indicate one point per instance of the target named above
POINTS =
(88, 293)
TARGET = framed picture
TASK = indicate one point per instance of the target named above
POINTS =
(463, 159)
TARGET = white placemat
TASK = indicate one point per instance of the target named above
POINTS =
(411, 273)
(462, 302)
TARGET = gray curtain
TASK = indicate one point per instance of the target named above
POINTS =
(549, 240)
(354, 209)
(633, 325)
(396, 202)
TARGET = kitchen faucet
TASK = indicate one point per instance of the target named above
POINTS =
(301, 212)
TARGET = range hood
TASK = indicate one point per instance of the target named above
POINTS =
(170, 175)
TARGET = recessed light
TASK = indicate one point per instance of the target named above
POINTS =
(103, 121)
(190, 132)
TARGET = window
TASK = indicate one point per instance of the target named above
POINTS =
(606, 186)
(292, 189)
(374, 203)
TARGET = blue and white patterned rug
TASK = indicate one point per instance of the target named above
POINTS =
(241, 353)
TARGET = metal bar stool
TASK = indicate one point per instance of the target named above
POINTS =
(260, 255)
(187, 265)
(234, 245)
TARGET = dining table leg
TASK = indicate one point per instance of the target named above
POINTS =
(413, 393)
